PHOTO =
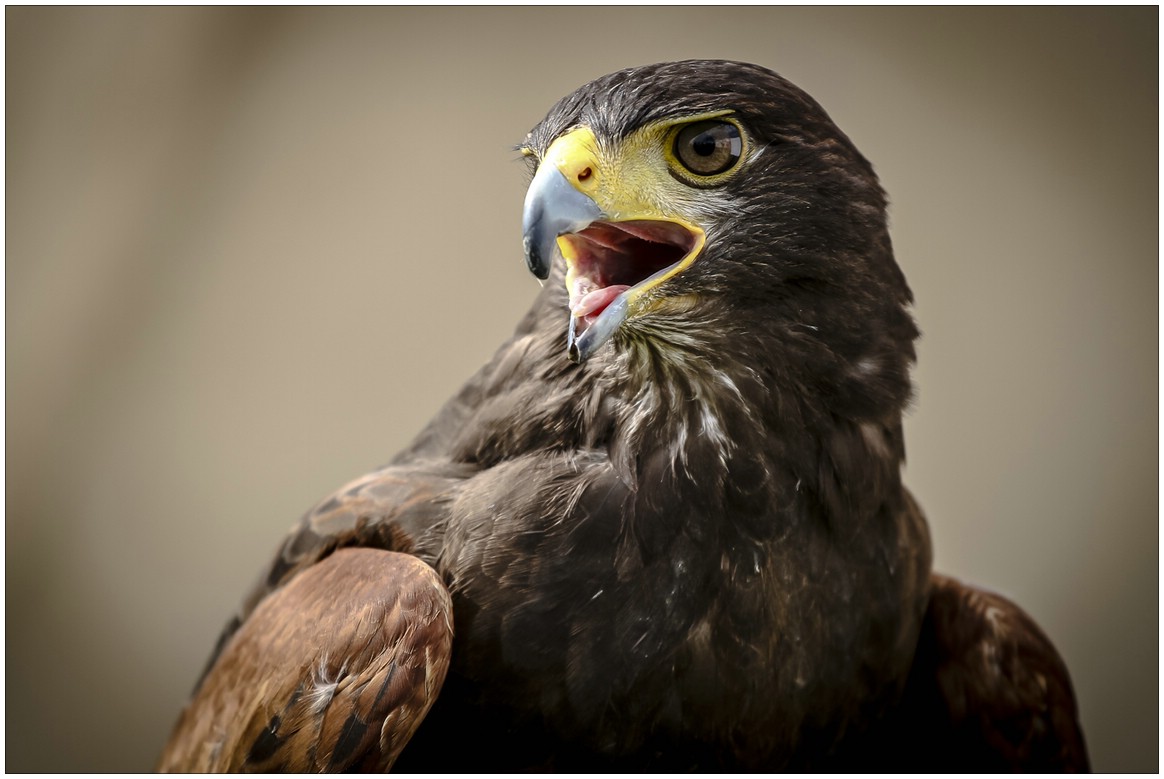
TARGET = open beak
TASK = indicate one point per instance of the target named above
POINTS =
(615, 253)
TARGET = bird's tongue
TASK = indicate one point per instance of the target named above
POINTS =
(593, 303)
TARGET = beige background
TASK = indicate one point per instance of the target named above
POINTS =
(250, 252)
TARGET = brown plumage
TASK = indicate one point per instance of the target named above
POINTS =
(333, 672)
(671, 524)
(987, 691)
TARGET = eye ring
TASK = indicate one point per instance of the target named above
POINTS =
(707, 148)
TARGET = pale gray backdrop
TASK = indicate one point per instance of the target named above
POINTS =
(249, 253)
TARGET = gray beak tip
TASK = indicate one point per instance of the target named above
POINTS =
(538, 263)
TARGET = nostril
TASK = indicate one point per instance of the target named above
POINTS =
(584, 174)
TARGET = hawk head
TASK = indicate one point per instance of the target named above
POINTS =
(707, 205)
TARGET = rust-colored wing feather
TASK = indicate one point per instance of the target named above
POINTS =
(987, 691)
(397, 508)
(334, 671)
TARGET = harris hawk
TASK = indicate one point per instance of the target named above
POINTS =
(665, 527)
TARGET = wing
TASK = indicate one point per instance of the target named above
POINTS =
(332, 672)
(987, 691)
(399, 508)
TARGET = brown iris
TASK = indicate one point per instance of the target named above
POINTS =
(709, 147)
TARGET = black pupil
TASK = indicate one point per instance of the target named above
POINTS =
(704, 145)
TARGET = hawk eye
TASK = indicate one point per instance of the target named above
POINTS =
(709, 147)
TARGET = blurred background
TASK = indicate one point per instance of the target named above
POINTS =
(250, 252)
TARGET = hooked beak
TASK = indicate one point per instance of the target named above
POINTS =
(552, 207)
(615, 253)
